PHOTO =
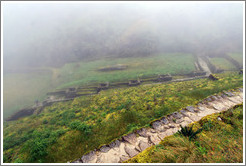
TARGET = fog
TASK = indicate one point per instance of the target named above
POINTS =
(52, 34)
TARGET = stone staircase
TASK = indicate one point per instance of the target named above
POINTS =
(130, 145)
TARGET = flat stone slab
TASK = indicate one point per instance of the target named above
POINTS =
(143, 145)
(171, 131)
(230, 94)
(190, 108)
(131, 138)
(143, 132)
(111, 156)
(124, 158)
(154, 139)
(177, 115)
(104, 148)
(178, 121)
(131, 150)
(186, 121)
(214, 98)
(202, 108)
(115, 143)
(152, 130)
(164, 120)
(162, 135)
(208, 111)
(77, 161)
(235, 100)
(90, 157)
(157, 125)
(141, 139)
(217, 106)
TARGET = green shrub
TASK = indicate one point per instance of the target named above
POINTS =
(188, 132)
(208, 125)
(45, 121)
(131, 127)
(81, 126)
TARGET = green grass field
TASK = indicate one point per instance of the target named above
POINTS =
(219, 142)
(22, 89)
(237, 56)
(86, 72)
(67, 130)
(222, 63)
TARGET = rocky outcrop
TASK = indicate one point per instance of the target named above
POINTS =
(132, 144)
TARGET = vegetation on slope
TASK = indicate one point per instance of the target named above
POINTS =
(222, 63)
(221, 141)
(18, 92)
(237, 56)
(66, 131)
(87, 72)
(22, 89)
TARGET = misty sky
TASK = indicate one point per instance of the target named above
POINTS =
(36, 34)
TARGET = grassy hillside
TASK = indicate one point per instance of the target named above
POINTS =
(222, 63)
(87, 72)
(65, 131)
(221, 141)
(237, 56)
(22, 89)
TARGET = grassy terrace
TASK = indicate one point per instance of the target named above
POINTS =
(22, 89)
(65, 131)
(83, 73)
(237, 56)
(219, 142)
(222, 63)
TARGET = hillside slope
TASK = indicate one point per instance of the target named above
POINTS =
(66, 131)
(221, 141)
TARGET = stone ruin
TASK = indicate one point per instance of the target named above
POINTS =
(102, 86)
(134, 82)
(241, 71)
(164, 77)
(114, 67)
(197, 73)
(71, 92)
(212, 77)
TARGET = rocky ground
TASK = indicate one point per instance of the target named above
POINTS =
(132, 144)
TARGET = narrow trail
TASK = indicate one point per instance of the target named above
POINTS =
(204, 65)
(130, 145)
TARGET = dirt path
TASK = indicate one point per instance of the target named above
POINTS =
(204, 65)
(132, 144)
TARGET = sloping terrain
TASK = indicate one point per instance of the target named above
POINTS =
(221, 141)
(130, 145)
(66, 131)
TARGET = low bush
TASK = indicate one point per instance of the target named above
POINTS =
(189, 132)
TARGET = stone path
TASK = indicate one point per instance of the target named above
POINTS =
(132, 144)
(204, 66)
